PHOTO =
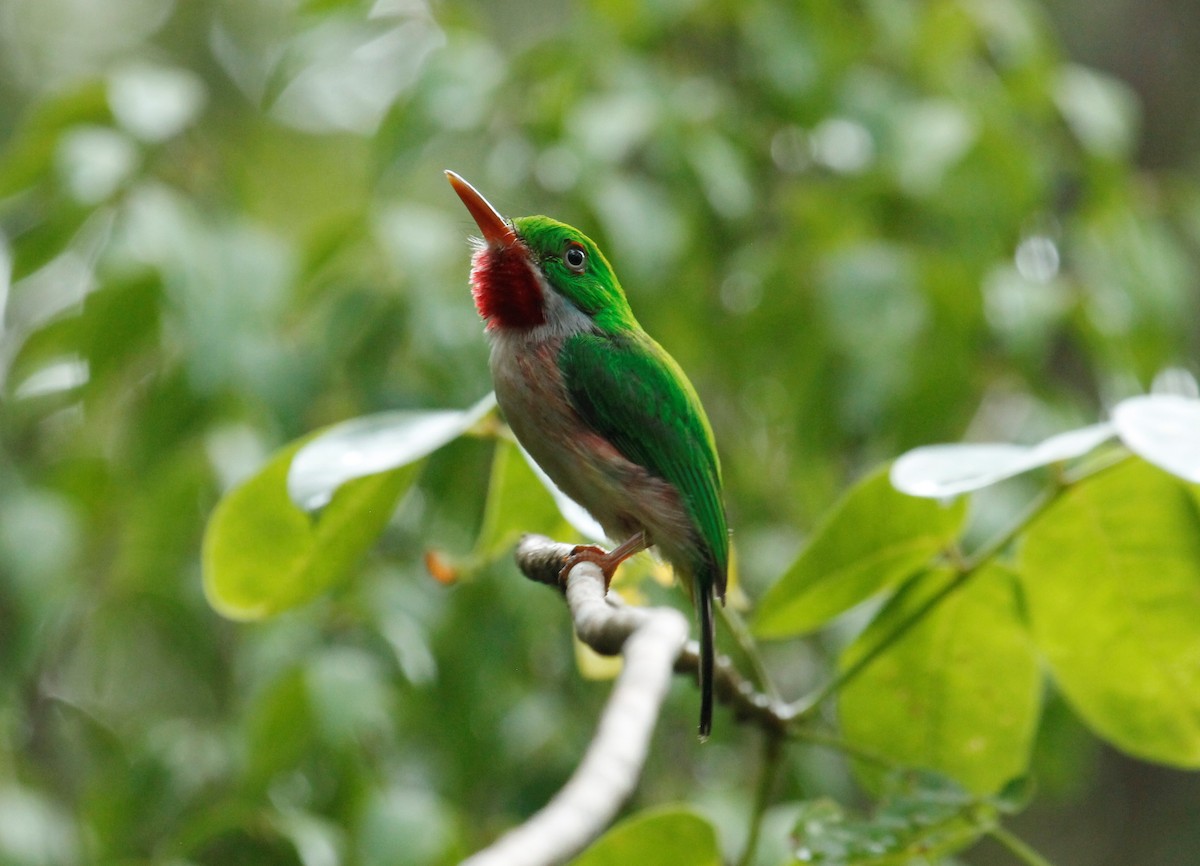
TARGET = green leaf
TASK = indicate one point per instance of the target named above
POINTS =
(874, 538)
(958, 692)
(263, 555)
(372, 444)
(942, 471)
(1161, 429)
(921, 818)
(662, 837)
(1111, 575)
(517, 503)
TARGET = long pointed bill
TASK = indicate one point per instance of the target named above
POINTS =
(495, 230)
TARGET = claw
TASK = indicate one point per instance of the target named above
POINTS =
(608, 560)
(588, 553)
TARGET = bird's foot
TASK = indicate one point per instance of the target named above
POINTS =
(588, 553)
(608, 560)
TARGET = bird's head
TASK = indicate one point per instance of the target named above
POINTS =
(533, 271)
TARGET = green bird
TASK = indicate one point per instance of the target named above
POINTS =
(600, 406)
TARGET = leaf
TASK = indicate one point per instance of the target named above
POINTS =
(1101, 110)
(263, 555)
(517, 503)
(874, 538)
(921, 818)
(1163, 429)
(958, 692)
(1111, 574)
(942, 471)
(372, 444)
(574, 513)
(662, 837)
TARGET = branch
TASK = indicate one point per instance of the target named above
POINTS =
(651, 640)
(541, 560)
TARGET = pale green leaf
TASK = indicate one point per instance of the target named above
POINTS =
(263, 555)
(662, 837)
(1101, 110)
(921, 818)
(372, 444)
(1111, 575)
(1163, 429)
(517, 503)
(958, 692)
(574, 513)
(874, 538)
(942, 471)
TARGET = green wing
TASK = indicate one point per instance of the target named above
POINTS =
(633, 393)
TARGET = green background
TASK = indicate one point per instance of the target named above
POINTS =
(860, 227)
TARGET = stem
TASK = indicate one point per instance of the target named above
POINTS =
(1018, 847)
(772, 748)
(966, 569)
(749, 647)
(804, 707)
(1033, 511)
(837, 744)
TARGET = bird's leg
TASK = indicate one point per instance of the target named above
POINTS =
(608, 560)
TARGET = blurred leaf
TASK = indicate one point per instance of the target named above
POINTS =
(318, 841)
(1101, 110)
(372, 444)
(1163, 429)
(873, 538)
(517, 503)
(35, 831)
(350, 701)
(662, 837)
(1111, 574)
(922, 818)
(263, 555)
(28, 157)
(280, 729)
(958, 692)
(574, 513)
(403, 826)
(942, 471)
(41, 243)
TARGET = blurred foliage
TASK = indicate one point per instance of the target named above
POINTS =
(859, 227)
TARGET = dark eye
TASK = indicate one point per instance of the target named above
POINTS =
(575, 257)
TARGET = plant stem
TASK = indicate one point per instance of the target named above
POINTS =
(966, 568)
(804, 707)
(1018, 847)
(837, 744)
(749, 648)
(772, 750)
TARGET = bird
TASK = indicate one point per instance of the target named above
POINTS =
(600, 406)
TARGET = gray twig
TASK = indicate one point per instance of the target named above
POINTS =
(653, 641)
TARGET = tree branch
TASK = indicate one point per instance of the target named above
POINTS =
(651, 640)
(654, 643)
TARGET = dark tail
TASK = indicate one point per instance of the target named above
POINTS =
(707, 635)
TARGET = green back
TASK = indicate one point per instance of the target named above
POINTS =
(633, 393)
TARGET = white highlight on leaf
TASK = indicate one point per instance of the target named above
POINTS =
(155, 102)
(373, 444)
(1176, 380)
(574, 513)
(1163, 429)
(62, 374)
(942, 471)
(842, 145)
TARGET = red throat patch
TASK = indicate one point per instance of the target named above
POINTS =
(506, 290)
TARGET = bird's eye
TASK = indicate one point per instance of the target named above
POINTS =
(575, 257)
